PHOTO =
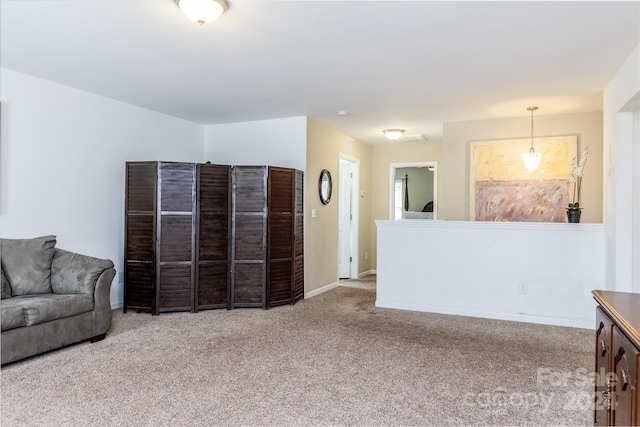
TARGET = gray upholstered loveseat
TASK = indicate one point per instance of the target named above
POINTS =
(51, 297)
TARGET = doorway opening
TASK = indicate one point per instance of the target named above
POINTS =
(348, 217)
(413, 190)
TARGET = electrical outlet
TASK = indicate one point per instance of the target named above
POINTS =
(366, 255)
(523, 288)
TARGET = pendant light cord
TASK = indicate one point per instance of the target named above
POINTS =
(532, 109)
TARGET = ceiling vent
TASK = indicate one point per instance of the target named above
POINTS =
(418, 137)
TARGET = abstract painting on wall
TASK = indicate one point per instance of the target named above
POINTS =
(502, 189)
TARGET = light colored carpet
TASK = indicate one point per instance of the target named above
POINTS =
(334, 359)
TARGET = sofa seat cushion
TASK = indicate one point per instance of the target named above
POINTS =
(47, 307)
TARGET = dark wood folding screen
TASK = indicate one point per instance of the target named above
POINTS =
(202, 236)
(285, 254)
(249, 236)
(213, 236)
(159, 244)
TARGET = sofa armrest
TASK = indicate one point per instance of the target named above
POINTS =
(73, 273)
(102, 301)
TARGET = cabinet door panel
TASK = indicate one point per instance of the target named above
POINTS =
(604, 331)
(625, 357)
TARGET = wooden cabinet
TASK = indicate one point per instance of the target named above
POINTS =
(203, 236)
(617, 362)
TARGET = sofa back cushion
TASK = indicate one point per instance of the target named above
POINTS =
(6, 287)
(73, 273)
(27, 264)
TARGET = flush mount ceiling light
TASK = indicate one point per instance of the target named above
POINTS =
(202, 11)
(393, 133)
(531, 159)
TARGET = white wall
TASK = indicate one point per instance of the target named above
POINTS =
(621, 98)
(280, 142)
(477, 268)
(63, 153)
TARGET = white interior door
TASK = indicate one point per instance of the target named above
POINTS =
(345, 219)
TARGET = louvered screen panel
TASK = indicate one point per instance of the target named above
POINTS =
(175, 253)
(175, 284)
(249, 285)
(280, 190)
(249, 234)
(141, 186)
(280, 282)
(213, 236)
(298, 285)
(213, 285)
(213, 242)
(249, 242)
(175, 287)
(250, 257)
(175, 238)
(177, 187)
(139, 238)
(280, 252)
(280, 236)
(299, 192)
(298, 227)
(250, 188)
(139, 292)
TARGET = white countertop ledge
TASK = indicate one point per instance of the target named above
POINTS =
(477, 225)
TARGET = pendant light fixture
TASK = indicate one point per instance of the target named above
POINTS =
(202, 11)
(393, 133)
(531, 159)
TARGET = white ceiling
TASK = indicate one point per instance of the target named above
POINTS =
(408, 64)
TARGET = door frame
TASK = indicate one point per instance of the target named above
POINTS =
(392, 178)
(355, 224)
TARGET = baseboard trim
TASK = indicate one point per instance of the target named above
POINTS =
(366, 273)
(321, 290)
(517, 317)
